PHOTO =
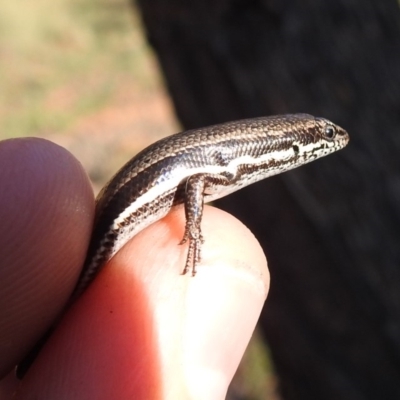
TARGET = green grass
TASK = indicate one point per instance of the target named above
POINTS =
(255, 378)
(61, 59)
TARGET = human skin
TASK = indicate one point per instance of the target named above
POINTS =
(142, 330)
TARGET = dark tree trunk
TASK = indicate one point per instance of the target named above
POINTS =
(331, 230)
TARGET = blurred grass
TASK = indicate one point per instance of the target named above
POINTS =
(255, 378)
(63, 59)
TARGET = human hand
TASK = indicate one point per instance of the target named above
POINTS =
(141, 330)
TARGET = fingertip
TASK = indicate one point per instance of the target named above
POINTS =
(225, 302)
(142, 318)
(46, 209)
(235, 250)
(205, 322)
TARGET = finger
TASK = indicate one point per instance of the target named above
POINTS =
(142, 330)
(46, 209)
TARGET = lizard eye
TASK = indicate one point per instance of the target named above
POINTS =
(330, 131)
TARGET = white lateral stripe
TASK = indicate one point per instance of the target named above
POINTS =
(181, 173)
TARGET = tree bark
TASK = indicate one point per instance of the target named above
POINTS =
(331, 230)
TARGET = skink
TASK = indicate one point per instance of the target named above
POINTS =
(199, 166)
